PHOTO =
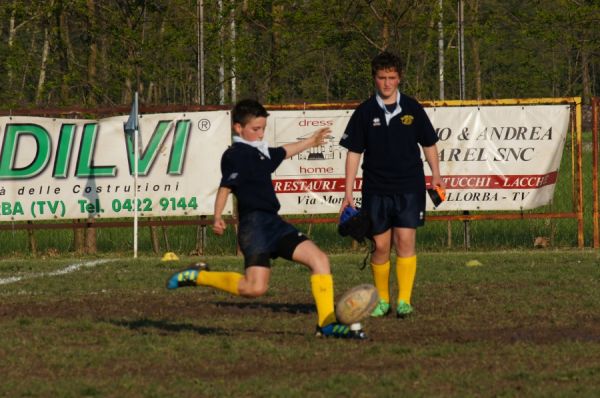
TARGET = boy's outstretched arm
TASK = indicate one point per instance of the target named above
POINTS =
(219, 225)
(317, 138)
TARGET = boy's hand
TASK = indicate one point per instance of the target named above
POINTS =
(219, 226)
(436, 181)
(348, 201)
(319, 136)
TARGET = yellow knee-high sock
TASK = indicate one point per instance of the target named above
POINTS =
(381, 278)
(322, 290)
(406, 268)
(227, 281)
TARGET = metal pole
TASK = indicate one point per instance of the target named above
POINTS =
(200, 40)
(221, 55)
(135, 177)
(461, 79)
(461, 48)
(198, 23)
(441, 48)
(233, 60)
(579, 153)
(595, 110)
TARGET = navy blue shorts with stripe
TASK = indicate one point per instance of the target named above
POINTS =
(403, 210)
(263, 236)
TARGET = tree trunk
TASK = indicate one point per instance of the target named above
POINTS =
(65, 50)
(43, 64)
(93, 53)
(475, 50)
(277, 11)
(385, 29)
(585, 78)
(425, 55)
(12, 34)
(127, 97)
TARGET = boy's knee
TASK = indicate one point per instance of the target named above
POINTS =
(254, 290)
(382, 250)
(322, 258)
(321, 267)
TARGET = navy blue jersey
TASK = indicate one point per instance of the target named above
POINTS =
(247, 172)
(392, 160)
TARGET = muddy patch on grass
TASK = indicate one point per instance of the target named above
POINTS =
(181, 312)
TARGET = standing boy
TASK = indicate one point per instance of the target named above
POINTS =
(388, 128)
(246, 168)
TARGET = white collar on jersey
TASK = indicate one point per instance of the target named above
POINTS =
(389, 115)
(262, 146)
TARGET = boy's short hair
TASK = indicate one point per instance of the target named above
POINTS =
(386, 60)
(247, 109)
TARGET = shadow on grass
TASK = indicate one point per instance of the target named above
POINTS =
(165, 326)
(142, 325)
(273, 307)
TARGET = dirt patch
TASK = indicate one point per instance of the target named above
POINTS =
(172, 314)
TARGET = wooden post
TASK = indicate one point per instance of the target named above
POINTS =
(32, 241)
(154, 240)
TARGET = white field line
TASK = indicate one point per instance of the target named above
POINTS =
(66, 270)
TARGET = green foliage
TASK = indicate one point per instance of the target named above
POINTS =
(288, 51)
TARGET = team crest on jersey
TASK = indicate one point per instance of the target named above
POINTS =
(376, 122)
(407, 120)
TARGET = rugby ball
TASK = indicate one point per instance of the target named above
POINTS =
(356, 304)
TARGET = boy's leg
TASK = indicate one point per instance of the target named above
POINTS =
(198, 275)
(226, 281)
(321, 282)
(309, 254)
(406, 267)
(253, 284)
(380, 267)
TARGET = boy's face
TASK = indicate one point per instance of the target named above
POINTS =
(253, 130)
(386, 83)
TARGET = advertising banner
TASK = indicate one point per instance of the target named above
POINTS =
(491, 158)
(499, 157)
(77, 169)
(311, 182)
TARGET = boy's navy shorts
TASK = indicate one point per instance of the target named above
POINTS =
(263, 236)
(402, 210)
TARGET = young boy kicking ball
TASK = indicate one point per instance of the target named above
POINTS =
(246, 169)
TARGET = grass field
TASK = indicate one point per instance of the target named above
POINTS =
(525, 323)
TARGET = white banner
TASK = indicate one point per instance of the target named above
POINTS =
(491, 157)
(499, 157)
(311, 182)
(71, 169)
